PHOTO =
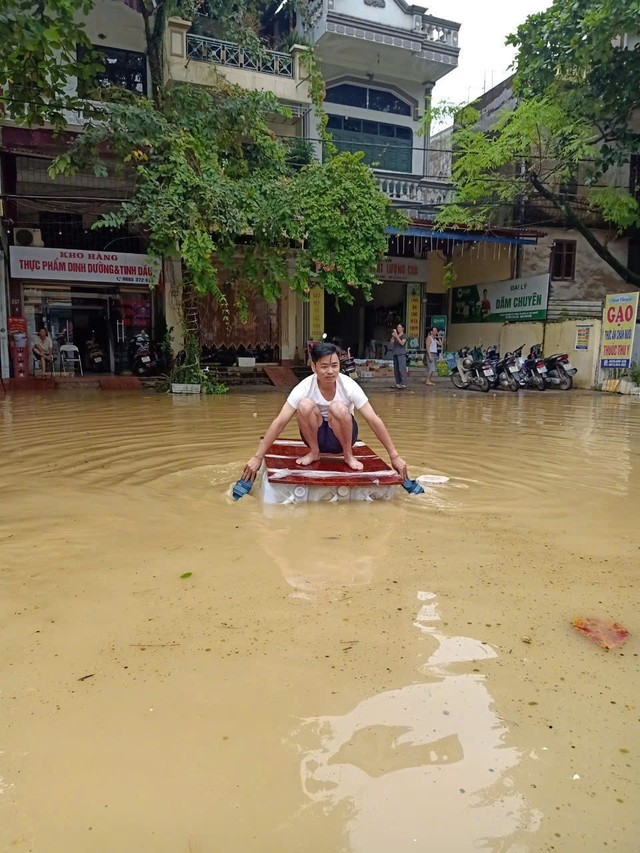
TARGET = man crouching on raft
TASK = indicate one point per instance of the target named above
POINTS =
(323, 404)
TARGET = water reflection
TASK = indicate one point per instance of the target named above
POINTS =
(426, 766)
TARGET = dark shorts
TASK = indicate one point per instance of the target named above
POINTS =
(327, 441)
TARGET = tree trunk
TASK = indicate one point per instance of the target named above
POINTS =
(155, 24)
(574, 220)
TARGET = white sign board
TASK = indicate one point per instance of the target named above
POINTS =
(413, 270)
(83, 265)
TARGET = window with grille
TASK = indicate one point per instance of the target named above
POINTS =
(367, 99)
(124, 69)
(634, 255)
(385, 146)
(563, 260)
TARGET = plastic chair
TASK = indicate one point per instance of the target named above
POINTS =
(70, 354)
(49, 366)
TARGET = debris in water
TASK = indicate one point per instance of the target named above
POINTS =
(84, 677)
(608, 635)
(186, 575)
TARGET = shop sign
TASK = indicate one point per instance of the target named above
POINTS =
(82, 265)
(439, 321)
(520, 300)
(414, 300)
(17, 328)
(402, 269)
(583, 333)
(316, 313)
(618, 328)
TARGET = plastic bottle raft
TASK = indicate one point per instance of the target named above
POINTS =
(328, 479)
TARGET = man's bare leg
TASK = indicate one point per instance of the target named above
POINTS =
(342, 426)
(309, 421)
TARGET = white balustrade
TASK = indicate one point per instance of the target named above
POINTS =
(412, 189)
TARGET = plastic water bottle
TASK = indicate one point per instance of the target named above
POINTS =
(413, 487)
(241, 488)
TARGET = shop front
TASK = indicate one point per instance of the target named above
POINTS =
(96, 301)
(365, 327)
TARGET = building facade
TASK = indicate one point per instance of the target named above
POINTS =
(380, 62)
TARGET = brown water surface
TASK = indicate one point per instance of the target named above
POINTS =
(376, 678)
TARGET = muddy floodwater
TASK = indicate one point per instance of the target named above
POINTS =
(374, 677)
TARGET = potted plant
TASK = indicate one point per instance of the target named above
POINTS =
(188, 377)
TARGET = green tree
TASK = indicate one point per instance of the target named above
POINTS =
(38, 57)
(577, 82)
(208, 174)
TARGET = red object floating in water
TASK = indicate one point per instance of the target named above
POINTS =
(608, 635)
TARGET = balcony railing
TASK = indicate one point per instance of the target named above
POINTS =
(413, 190)
(436, 32)
(205, 49)
(432, 29)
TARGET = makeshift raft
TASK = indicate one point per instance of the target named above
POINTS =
(328, 479)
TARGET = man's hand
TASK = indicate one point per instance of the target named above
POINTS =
(400, 466)
(251, 468)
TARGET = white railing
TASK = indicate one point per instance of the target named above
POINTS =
(436, 31)
(413, 190)
(205, 49)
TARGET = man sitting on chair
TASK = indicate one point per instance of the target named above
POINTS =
(323, 404)
(43, 351)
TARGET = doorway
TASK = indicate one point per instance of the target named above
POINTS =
(102, 322)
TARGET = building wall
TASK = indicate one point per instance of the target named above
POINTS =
(593, 279)
(554, 337)
(112, 24)
(479, 264)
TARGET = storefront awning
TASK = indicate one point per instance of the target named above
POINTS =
(463, 236)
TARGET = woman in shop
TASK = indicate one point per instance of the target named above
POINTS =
(431, 346)
(43, 351)
(399, 348)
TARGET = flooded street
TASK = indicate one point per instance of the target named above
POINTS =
(375, 677)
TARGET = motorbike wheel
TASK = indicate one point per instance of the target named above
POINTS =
(566, 382)
(513, 384)
(139, 369)
(457, 379)
(538, 382)
(484, 384)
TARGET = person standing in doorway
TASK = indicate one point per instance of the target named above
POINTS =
(399, 348)
(431, 346)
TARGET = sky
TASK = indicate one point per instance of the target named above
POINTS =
(484, 59)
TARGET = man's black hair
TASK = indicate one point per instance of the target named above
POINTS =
(319, 351)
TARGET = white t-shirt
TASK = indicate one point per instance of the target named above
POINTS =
(347, 392)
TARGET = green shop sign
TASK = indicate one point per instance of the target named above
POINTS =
(520, 300)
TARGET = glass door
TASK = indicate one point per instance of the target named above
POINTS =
(130, 313)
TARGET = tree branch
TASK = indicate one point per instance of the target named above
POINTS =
(574, 220)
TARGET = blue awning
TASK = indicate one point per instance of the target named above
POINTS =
(462, 236)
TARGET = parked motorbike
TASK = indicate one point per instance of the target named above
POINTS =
(532, 371)
(471, 372)
(95, 358)
(144, 357)
(560, 371)
(507, 374)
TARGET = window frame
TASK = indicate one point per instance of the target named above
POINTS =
(563, 253)
(407, 112)
(118, 53)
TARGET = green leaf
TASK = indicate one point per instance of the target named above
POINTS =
(186, 575)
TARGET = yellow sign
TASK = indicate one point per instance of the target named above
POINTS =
(618, 327)
(316, 313)
(413, 310)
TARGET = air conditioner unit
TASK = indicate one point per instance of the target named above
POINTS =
(31, 237)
